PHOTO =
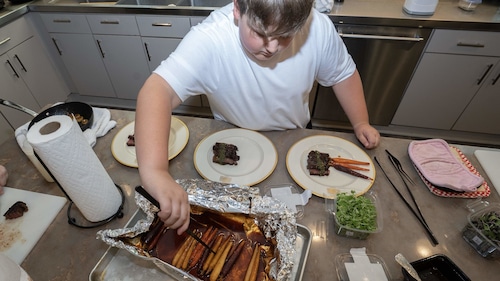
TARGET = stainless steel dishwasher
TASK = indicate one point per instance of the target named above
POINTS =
(386, 58)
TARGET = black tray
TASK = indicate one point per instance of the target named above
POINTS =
(436, 268)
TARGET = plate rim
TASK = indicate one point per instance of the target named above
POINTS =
(254, 182)
(333, 196)
(182, 127)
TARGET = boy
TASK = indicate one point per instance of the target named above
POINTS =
(256, 60)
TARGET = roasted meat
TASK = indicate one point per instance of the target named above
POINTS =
(318, 163)
(225, 154)
(131, 140)
(16, 211)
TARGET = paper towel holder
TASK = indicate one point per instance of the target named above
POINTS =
(88, 224)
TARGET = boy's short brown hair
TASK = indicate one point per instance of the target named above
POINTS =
(276, 17)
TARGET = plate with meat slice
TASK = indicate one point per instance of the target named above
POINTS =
(238, 156)
(328, 165)
(123, 146)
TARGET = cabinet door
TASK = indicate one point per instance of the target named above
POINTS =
(482, 115)
(38, 72)
(440, 89)
(14, 89)
(83, 61)
(125, 62)
(158, 49)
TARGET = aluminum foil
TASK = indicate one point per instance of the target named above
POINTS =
(272, 216)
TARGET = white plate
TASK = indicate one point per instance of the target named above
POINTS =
(258, 157)
(336, 182)
(179, 136)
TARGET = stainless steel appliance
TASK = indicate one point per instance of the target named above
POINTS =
(385, 57)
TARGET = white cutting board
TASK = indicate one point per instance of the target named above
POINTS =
(490, 161)
(19, 236)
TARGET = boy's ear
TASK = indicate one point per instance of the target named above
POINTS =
(236, 10)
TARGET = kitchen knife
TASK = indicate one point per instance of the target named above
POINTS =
(153, 201)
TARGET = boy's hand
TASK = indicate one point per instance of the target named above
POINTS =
(367, 135)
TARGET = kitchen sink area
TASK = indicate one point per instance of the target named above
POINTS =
(185, 3)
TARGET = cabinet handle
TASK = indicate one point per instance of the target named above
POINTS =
(488, 68)
(61, 21)
(110, 22)
(165, 24)
(147, 51)
(13, 69)
(4, 41)
(21, 63)
(381, 37)
(100, 48)
(57, 46)
(474, 45)
(495, 79)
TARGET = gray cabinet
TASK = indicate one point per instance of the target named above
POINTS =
(120, 46)
(454, 76)
(27, 75)
(79, 52)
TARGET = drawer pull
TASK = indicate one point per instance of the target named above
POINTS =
(110, 22)
(166, 24)
(473, 45)
(4, 41)
(20, 63)
(380, 37)
(488, 68)
(61, 21)
(495, 80)
(13, 69)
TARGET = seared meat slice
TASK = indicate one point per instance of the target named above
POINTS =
(131, 140)
(318, 163)
(225, 154)
(15, 211)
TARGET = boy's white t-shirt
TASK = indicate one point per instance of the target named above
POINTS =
(271, 95)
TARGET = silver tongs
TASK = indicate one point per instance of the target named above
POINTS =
(153, 201)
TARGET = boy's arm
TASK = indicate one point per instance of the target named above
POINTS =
(351, 97)
(152, 128)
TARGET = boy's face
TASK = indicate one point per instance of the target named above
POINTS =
(258, 45)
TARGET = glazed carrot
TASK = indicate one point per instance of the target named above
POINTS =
(253, 266)
(218, 254)
(211, 256)
(349, 161)
(351, 166)
(214, 275)
(200, 249)
(232, 258)
(351, 172)
(178, 256)
(189, 252)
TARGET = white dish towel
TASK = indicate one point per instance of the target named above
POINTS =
(101, 125)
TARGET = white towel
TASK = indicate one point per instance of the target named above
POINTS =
(101, 125)
(323, 6)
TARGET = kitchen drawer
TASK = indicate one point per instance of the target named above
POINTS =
(14, 34)
(482, 43)
(65, 22)
(164, 26)
(113, 24)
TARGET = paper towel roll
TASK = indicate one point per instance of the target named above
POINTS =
(59, 142)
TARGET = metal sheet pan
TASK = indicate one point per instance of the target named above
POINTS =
(118, 264)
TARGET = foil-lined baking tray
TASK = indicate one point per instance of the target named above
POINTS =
(119, 264)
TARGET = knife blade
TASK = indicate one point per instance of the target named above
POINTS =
(153, 201)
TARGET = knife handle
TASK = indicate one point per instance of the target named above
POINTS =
(146, 195)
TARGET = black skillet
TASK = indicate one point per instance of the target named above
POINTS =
(82, 112)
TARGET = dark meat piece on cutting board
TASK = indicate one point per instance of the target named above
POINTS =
(16, 211)
(225, 154)
(318, 163)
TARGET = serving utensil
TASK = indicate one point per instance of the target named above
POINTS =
(153, 201)
(407, 266)
(402, 174)
(424, 224)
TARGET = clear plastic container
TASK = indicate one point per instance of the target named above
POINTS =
(468, 5)
(268, 191)
(475, 232)
(342, 259)
(343, 230)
